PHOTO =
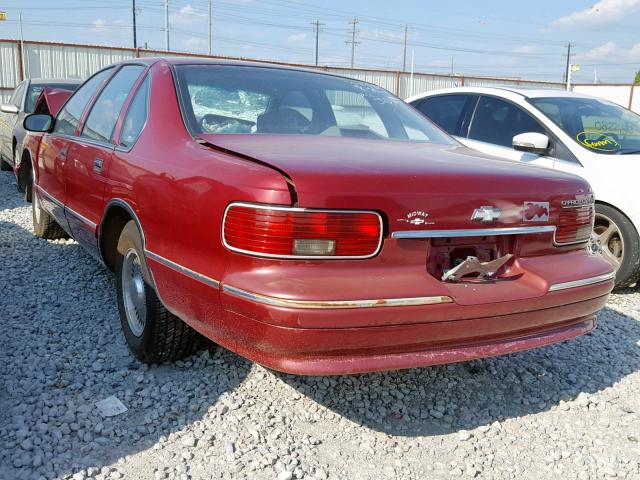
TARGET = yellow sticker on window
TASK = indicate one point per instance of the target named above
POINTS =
(598, 141)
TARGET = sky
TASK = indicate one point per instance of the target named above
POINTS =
(502, 38)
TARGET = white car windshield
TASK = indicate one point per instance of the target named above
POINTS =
(597, 125)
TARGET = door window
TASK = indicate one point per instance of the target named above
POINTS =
(446, 111)
(136, 116)
(106, 110)
(497, 121)
(69, 116)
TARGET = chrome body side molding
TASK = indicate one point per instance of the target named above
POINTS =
(582, 282)
(334, 304)
(181, 269)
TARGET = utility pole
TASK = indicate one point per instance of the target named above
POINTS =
(566, 70)
(135, 39)
(166, 25)
(353, 42)
(209, 27)
(404, 51)
(317, 24)
(24, 60)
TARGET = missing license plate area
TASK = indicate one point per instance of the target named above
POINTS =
(447, 253)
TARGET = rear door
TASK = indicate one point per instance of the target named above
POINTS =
(449, 112)
(54, 148)
(89, 157)
(493, 125)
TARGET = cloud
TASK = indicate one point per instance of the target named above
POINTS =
(194, 43)
(298, 37)
(603, 52)
(610, 51)
(187, 15)
(526, 49)
(604, 12)
(99, 24)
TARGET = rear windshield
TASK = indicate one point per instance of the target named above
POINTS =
(260, 100)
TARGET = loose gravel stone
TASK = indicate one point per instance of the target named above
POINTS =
(568, 411)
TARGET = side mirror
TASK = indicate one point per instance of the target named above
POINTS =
(38, 122)
(9, 108)
(531, 142)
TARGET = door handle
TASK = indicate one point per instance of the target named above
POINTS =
(97, 165)
(63, 154)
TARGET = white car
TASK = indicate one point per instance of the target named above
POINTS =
(588, 136)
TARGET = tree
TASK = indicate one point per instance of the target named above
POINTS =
(637, 77)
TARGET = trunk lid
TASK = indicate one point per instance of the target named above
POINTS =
(417, 186)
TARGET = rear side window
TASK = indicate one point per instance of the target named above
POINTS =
(136, 116)
(106, 110)
(69, 116)
(496, 121)
(446, 111)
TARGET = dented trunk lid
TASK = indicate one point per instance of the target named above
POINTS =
(416, 185)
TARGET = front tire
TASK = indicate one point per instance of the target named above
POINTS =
(153, 334)
(618, 243)
(5, 166)
(44, 225)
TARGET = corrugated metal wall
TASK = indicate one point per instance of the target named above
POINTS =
(54, 60)
(8, 64)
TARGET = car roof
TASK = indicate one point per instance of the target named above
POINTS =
(193, 60)
(55, 81)
(506, 91)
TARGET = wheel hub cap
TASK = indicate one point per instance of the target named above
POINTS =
(609, 240)
(133, 292)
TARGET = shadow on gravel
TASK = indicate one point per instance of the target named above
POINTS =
(449, 398)
(62, 350)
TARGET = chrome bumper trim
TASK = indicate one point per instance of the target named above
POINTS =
(473, 232)
(334, 304)
(582, 282)
(184, 270)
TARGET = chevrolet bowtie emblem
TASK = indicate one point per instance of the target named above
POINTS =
(486, 214)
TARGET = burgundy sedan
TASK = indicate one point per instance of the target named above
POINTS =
(312, 223)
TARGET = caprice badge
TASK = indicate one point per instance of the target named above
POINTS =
(486, 214)
(417, 217)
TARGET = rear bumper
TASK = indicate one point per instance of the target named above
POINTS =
(301, 335)
(369, 359)
(333, 351)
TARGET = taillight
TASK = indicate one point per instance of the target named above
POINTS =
(574, 224)
(283, 232)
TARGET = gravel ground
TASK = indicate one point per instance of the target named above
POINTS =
(570, 410)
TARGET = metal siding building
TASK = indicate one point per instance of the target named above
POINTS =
(60, 60)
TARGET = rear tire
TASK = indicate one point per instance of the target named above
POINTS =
(23, 177)
(153, 334)
(619, 244)
(44, 225)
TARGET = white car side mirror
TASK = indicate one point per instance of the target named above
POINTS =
(8, 108)
(531, 142)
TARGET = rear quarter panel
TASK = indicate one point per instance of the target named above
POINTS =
(179, 189)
